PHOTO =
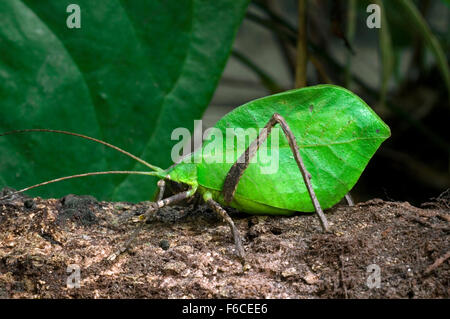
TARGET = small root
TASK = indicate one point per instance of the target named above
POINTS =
(437, 263)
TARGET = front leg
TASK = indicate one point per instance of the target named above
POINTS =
(234, 175)
(161, 188)
(148, 215)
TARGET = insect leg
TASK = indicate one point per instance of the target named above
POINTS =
(236, 236)
(236, 171)
(349, 199)
(162, 187)
(147, 215)
(127, 244)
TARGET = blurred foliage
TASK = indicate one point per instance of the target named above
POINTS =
(413, 92)
(132, 73)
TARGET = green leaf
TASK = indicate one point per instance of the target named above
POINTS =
(447, 2)
(337, 134)
(133, 72)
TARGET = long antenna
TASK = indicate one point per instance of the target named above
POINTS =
(155, 168)
(81, 175)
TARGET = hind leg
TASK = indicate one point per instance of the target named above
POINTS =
(236, 171)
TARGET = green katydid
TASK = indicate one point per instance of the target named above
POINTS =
(330, 134)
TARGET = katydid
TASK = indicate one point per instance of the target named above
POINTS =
(329, 135)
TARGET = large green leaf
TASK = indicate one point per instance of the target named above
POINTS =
(337, 134)
(133, 72)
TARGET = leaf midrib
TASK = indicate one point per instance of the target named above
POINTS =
(315, 145)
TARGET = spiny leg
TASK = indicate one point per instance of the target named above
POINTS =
(127, 244)
(147, 215)
(236, 171)
(162, 187)
(236, 236)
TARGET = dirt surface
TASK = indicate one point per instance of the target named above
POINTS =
(188, 252)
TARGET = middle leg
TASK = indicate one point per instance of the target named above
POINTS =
(236, 236)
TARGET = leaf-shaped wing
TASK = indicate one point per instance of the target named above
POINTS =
(337, 134)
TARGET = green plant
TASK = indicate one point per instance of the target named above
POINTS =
(133, 72)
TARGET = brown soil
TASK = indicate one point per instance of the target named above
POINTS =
(189, 253)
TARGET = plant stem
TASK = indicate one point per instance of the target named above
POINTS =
(285, 48)
(266, 80)
(302, 46)
(351, 18)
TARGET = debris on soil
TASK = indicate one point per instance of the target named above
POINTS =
(188, 252)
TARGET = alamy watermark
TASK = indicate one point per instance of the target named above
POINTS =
(73, 280)
(227, 146)
(374, 19)
(374, 279)
(73, 21)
